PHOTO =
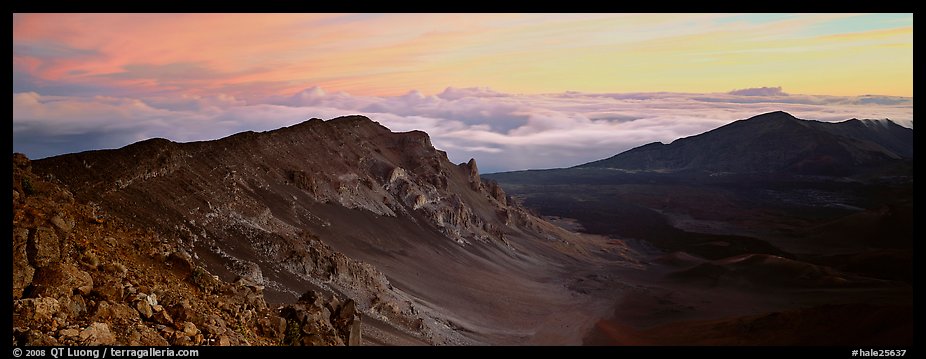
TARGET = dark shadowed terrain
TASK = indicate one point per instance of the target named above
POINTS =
(764, 231)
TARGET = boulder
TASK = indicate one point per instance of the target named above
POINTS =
(347, 322)
(248, 271)
(61, 280)
(97, 334)
(34, 312)
(354, 335)
(68, 333)
(142, 335)
(152, 299)
(162, 317)
(72, 307)
(44, 248)
(22, 271)
(223, 341)
(37, 338)
(182, 311)
(272, 326)
(189, 329)
(110, 289)
(182, 261)
(63, 223)
(114, 312)
(144, 309)
(317, 321)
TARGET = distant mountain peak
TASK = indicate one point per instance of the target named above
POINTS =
(354, 119)
(884, 122)
(339, 122)
(774, 142)
(774, 115)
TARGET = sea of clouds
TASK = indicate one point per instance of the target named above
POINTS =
(503, 131)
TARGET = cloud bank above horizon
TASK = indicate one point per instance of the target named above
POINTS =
(501, 131)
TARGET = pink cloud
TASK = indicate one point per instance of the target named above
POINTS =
(759, 91)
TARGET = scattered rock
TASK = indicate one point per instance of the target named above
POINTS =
(37, 338)
(223, 341)
(110, 289)
(190, 329)
(272, 326)
(61, 281)
(110, 241)
(72, 307)
(214, 325)
(347, 322)
(313, 321)
(142, 335)
(249, 271)
(397, 173)
(62, 223)
(102, 296)
(22, 271)
(44, 247)
(182, 260)
(182, 311)
(34, 312)
(114, 313)
(144, 309)
(180, 339)
(68, 332)
(162, 317)
(152, 299)
(97, 334)
(420, 201)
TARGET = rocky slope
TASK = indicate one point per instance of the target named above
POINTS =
(84, 277)
(344, 207)
(774, 142)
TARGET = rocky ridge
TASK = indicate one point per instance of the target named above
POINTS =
(261, 209)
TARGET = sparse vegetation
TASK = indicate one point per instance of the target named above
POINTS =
(293, 332)
(27, 186)
(199, 278)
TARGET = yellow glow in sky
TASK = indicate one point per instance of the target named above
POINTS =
(390, 54)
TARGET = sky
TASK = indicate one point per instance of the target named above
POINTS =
(514, 91)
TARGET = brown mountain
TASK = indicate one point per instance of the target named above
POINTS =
(428, 251)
